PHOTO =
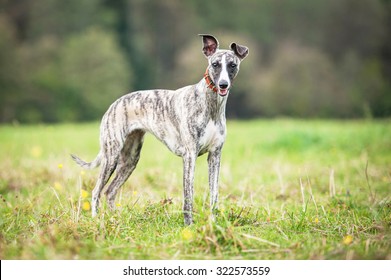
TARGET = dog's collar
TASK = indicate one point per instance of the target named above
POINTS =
(209, 82)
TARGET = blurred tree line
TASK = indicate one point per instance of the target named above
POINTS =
(69, 60)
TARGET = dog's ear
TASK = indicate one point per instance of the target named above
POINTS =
(240, 51)
(210, 44)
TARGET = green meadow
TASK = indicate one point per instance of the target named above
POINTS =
(289, 189)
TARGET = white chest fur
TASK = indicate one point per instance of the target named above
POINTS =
(213, 137)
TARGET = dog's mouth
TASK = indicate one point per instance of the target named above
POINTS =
(223, 91)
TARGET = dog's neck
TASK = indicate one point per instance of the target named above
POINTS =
(214, 103)
(209, 82)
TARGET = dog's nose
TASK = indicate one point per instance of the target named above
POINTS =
(223, 84)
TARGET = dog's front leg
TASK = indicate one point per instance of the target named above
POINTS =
(188, 181)
(214, 168)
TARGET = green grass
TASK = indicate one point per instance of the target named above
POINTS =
(289, 189)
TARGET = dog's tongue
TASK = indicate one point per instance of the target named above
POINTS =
(223, 92)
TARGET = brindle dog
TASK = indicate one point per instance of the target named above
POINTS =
(190, 121)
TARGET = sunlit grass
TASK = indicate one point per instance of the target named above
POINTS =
(289, 189)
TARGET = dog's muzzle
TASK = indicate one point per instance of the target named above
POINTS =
(223, 88)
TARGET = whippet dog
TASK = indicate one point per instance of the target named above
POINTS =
(190, 121)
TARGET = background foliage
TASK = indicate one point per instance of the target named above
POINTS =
(68, 60)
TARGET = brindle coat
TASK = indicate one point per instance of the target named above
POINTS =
(190, 121)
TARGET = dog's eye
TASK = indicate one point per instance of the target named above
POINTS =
(215, 64)
(233, 65)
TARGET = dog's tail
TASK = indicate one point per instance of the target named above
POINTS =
(88, 165)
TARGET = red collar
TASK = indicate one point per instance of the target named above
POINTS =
(209, 82)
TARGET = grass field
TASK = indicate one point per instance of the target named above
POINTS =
(289, 189)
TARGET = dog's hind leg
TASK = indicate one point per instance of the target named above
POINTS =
(107, 169)
(128, 159)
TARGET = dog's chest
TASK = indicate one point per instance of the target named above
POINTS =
(212, 138)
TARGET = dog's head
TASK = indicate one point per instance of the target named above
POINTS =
(223, 64)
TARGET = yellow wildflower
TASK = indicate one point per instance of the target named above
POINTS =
(36, 151)
(60, 166)
(86, 206)
(348, 239)
(316, 220)
(84, 193)
(187, 234)
(134, 193)
(82, 173)
(57, 186)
